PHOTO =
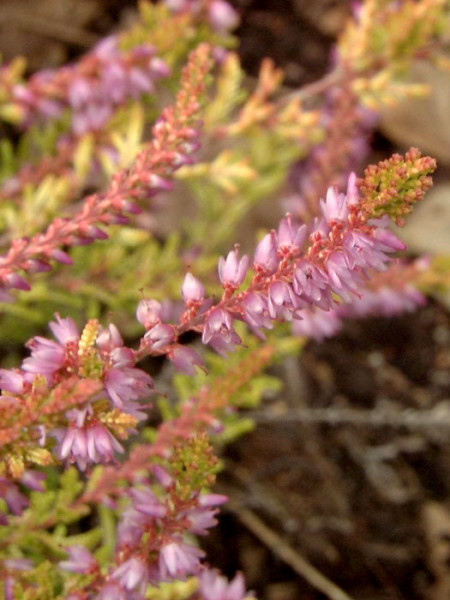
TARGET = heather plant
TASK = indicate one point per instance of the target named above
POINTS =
(121, 206)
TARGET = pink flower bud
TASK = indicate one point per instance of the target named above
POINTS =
(34, 265)
(95, 233)
(156, 182)
(222, 16)
(212, 500)
(148, 313)
(185, 359)
(61, 256)
(131, 207)
(158, 67)
(192, 289)
(266, 253)
(12, 280)
(352, 190)
(162, 476)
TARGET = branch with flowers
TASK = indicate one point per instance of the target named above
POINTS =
(89, 432)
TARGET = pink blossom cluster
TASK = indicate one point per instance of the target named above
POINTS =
(296, 268)
(300, 272)
(153, 544)
(83, 438)
(93, 88)
(175, 139)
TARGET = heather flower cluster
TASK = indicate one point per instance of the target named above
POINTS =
(299, 270)
(175, 139)
(86, 435)
(152, 539)
(110, 434)
(91, 89)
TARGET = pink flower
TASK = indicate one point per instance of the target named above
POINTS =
(64, 330)
(80, 560)
(131, 527)
(219, 332)
(222, 16)
(48, 356)
(256, 311)
(290, 236)
(185, 359)
(361, 250)
(342, 278)
(215, 587)
(11, 381)
(218, 322)
(212, 500)
(282, 302)
(145, 502)
(33, 480)
(386, 241)
(201, 520)
(112, 591)
(132, 574)
(109, 338)
(335, 207)
(312, 284)
(148, 313)
(124, 384)
(177, 559)
(232, 271)
(86, 443)
(160, 335)
(16, 502)
(162, 476)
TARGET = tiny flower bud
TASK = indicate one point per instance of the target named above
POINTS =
(148, 313)
(192, 289)
(37, 266)
(61, 256)
(162, 476)
(266, 253)
(222, 16)
(12, 280)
